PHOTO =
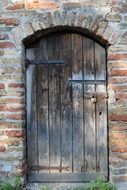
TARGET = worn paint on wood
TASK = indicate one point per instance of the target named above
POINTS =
(66, 104)
(54, 103)
(42, 106)
(77, 91)
(68, 113)
(32, 128)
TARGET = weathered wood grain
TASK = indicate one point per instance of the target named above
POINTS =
(54, 102)
(101, 111)
(32, 147)
(102, 141)
(100, 62)
(90, 130)
(66, 109)
(76, 57)
(88, 59)
(77, 91)
(66, 104)
(42, 106)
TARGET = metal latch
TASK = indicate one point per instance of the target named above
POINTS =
(94, 98)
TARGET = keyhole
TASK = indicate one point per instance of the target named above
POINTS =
(100, 113)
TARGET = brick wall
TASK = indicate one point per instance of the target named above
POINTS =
(104, 20)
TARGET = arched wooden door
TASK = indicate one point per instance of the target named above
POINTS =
(66, 109)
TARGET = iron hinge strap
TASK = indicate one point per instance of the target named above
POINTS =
(49, 168)
(82, 81)
(45, 62)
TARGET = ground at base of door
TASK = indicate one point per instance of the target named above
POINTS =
(65, 186)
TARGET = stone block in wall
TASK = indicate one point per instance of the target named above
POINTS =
(71, 5)
(32, 4)
(15, 6)
(9, 21)
(114, 17)
(4, 45)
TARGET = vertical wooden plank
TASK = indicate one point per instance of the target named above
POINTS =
(89, 107)
(54, 103)
(32, 151)
(100, 62)
(90, 131)
(77, 57)
(78, 152)
(88, 59)
(101, 111)
(42, 105)
(102, 146)
(77, 91)
(100, 66)
(66, 105)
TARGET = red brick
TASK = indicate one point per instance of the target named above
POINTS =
(12, 100)
(6, 45)
(16, 116)
(2, 107)
(117, 57)
(10, 125)
(9, 21)
(1, 52)
(41, 5)
(121, 96)
(2, 86)
(2, 149)
(15, 133)
(117, 87)
(119, 72)
(15, 6)
(121, 150)
(16, 85)
(119, 135)
(118, 118)
(14, 109)
(118, 143)
(118, 127)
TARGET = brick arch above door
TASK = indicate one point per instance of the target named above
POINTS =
(94, 26)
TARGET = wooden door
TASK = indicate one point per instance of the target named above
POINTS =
(66, 109)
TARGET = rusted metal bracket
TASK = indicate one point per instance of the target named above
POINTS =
(49, 168)
(87, 81)
(45, 62)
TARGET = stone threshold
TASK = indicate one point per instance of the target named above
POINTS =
(54, 186)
